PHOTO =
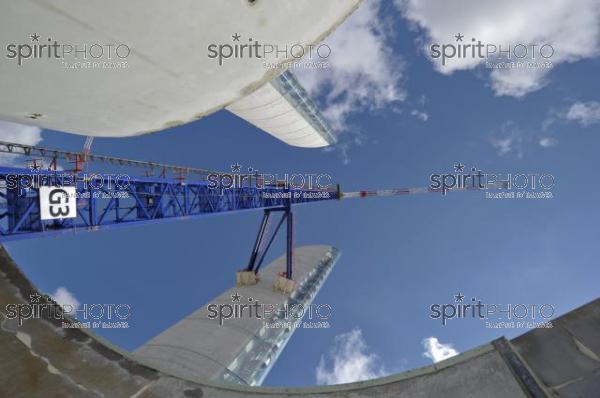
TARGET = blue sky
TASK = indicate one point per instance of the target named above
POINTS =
(402, 118)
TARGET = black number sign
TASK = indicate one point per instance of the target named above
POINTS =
(59, 203)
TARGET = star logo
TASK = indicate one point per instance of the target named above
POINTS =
(35, 37)
(236, 167)
(459, 168)
(235, 297)
(35, 297)
(458, 37)
(459, 297)
(236, 37)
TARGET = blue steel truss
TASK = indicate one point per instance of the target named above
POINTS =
(135, 202)
(257, 257)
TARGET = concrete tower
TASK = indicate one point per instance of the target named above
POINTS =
(242, 348)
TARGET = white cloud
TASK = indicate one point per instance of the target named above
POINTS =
(548, 142)
(586, 113)
(572, 31)
(503, 145)
(64, 297)
(363, 74)
(424, 116)
(508, 139)
(437, 351)
(19, 133)
(549, 121)
(350, 360)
